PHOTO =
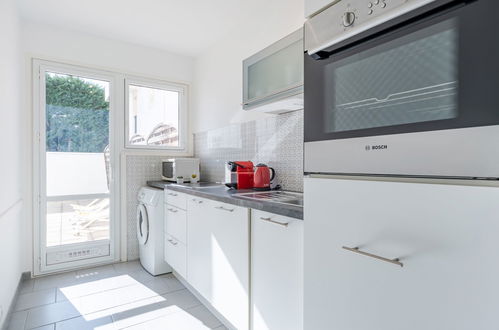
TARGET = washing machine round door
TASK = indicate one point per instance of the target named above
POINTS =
(142, 224)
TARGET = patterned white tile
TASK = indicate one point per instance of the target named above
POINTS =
(275, 140)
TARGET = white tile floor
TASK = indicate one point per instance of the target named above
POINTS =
(119, 296)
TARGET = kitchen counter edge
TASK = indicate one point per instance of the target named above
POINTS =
(224, 195)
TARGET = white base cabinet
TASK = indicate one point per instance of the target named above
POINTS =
(446, 236)
(218, 257)
(175, 227)
(176, 255)
(276, 272)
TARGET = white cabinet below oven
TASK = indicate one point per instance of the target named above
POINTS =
(446, 237)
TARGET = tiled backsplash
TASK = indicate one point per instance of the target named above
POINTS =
(139, 169)
(276, 141)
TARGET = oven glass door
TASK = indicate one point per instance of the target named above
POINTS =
(433, 73)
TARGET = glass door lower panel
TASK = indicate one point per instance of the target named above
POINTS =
(82, 222)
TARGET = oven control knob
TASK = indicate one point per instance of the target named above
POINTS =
(348, 18)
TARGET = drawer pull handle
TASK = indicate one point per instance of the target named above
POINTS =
(172, 194)
(196, 201)
(367, 254)
(273, 221)
(172, 242)
(224, 209)
(172, 210)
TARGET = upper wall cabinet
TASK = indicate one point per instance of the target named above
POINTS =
(314, 6)
(273, 77)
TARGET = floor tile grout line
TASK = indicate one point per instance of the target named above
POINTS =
(132, 302)
(112, 314)
(34, 307)
(107, 290)
(58, 287)
(158, 317)
(98, 311)
(115, 272)
(103, 310)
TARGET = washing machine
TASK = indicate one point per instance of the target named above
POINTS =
(150, 230)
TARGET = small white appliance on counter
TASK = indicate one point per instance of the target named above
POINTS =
(150, 230)
(175, 167)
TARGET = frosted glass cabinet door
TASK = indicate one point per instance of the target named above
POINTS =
(446, 236)
(275, 72)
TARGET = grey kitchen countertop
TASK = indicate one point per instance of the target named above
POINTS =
(221, 193)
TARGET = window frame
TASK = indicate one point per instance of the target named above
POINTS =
(182, 89)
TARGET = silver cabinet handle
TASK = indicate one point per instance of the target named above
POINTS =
(367, 254)
(172, 241)
(224, 209)
(172, 210)
(172, 194)
(197, 201)
(273, 221)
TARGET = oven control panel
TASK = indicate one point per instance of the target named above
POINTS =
(347, 18)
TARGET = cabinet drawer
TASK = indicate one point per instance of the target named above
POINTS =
(275, 219)
(225, 210)
(176, 255)
(176, 222)
(176, 199)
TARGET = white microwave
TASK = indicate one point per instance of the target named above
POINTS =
(175, 167)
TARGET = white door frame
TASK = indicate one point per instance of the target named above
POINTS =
(116, 98)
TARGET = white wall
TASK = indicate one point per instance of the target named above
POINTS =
(74, 47)
(67, 46)
(218, 73)
(11, 223)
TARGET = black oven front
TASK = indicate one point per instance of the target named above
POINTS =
(395, 87)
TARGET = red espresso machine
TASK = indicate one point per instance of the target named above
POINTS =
(239, 174)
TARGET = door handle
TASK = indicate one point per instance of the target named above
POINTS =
(172, 241)
(224, 209)
(172, 210)
(172, 194)
(196, 201)
(273, 221)
(395, 261)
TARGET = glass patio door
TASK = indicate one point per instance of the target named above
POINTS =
(76, 217)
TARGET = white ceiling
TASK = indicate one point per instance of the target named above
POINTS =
(180, 26)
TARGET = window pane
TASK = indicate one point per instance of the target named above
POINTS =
(153, 116)
(77, 159)
(76, 221)
(77, 111)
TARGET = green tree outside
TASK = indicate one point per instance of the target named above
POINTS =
(77, 115)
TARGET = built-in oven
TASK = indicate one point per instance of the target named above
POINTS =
(403, 87)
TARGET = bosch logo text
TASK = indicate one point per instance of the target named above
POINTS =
(376, 147)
